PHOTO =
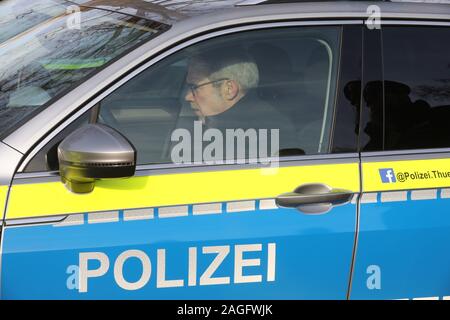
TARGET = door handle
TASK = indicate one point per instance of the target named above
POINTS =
(314, 198)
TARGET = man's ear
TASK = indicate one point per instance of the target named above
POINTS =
(231, 89)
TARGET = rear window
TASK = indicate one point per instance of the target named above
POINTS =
(417, 87)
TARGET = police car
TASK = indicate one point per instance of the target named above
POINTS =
(94, 208)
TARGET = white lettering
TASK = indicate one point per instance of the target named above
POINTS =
(206, 278)
(161, 281)
(240, 263)
(146, 269)
(85, 273)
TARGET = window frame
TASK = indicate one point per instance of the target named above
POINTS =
(180, 46)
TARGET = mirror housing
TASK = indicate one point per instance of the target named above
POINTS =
(94, 151)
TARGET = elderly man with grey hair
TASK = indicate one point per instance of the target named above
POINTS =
(222, 92)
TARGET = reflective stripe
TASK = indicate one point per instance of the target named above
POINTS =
(138, 214)
(52, 198)
(172, 212)
(103, 217)
(369, 198)
(424, 194)
(445, 193)
(209, 208)
(241, 206)
(394, 196)
(72, 220)
(266, 204)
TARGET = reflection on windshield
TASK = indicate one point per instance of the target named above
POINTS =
(19, 15)
(41, 62)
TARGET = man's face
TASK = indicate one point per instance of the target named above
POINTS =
(205, 97)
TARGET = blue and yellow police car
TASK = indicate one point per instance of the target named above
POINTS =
(114, 183)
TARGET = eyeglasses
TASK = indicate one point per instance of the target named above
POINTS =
(194, 87)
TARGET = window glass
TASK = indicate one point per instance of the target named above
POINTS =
(417, 87)
(45, 56)
(266, 83)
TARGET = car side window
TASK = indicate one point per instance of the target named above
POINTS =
(283, 79)
(417, 87)
(270, 92)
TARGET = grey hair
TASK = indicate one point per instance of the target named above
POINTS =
(245, 73)
(228, 63)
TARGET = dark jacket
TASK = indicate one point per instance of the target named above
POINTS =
(253, 113)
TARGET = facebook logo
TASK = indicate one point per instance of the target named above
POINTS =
(387, 175)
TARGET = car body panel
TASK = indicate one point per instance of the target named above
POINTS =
(295, 270)
(174, 230)
(404, 241)
(174, 189)
(404, 227)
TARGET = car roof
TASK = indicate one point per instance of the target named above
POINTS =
(172, 11)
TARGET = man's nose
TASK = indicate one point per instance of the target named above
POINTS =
(189, 96)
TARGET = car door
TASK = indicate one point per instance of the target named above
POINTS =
(196, 229)
(402, 250)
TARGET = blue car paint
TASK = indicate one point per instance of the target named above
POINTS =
(313, 255)
(409, 242)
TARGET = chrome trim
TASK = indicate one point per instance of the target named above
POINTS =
(170, 169)
(51, 177)
(405, 155)
(36, 175)
(53, 112)
(414, 23)
(159, 169)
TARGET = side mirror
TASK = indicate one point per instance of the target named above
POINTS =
(94, 151)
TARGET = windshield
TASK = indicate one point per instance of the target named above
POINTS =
(55, 48)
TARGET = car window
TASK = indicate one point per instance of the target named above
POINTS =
(17, 16)
(417, 87)
(53, 53)
(288, 76)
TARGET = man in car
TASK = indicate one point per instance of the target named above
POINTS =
(222, 92)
